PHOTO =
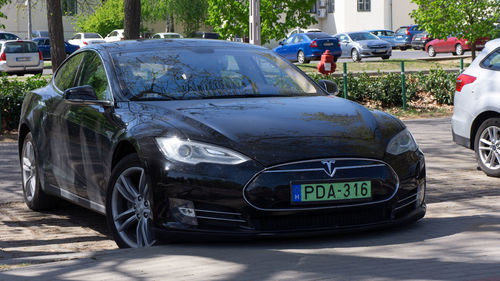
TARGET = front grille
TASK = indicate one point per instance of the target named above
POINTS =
(317, 221)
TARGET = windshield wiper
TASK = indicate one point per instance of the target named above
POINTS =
(151, 96)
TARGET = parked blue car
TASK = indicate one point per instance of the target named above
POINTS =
(384, 34)
(44, 46)
(404, 35)
(304, 47)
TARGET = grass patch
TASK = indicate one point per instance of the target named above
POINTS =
(390, 65)
(4, 267)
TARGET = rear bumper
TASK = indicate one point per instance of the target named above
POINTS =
(20, 69)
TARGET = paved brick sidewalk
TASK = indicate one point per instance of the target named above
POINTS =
(457, 240)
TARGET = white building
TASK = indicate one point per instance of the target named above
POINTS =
(336, 16)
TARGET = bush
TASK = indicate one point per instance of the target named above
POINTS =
(386, 89)
(12, 93)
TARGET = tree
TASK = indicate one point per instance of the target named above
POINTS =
(132, 19)
(469, 19)
(230, 17)
(106, 17)
(2, 15)
(56, 33)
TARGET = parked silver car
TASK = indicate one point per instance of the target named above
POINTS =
(362, 44)
(476, 117)
(20, 57)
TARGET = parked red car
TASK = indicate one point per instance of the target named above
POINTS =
(451, 45)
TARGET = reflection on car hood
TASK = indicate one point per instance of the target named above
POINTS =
(276, 130)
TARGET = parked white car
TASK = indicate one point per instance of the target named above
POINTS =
(115, 35)
(166, 35)
(476, 117)
(20, 57)
(84, 39)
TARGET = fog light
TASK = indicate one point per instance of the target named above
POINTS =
(420, 194)
(183, 211)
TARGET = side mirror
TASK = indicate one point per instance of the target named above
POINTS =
(85, 93)
(329, 86)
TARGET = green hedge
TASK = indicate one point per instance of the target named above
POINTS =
(386, 89)
(12, 93)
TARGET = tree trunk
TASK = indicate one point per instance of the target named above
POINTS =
(473, 50)
(170, 23)
(132, 19)
(56, 33)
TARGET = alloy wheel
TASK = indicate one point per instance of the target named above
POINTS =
(431, 51)
(355, 55)
(29, 171)
(301, 58)
(489, 147)
(131, 208)
(459, 50)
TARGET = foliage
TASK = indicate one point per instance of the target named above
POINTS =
(230, 18)
(2, 15)
(107, 16)
(386, 89)
(191, 14)
(12, 95)
(469, 19)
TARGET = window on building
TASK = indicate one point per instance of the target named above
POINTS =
(364, 5)
(314, 8)
(68, 7)
(331, 6)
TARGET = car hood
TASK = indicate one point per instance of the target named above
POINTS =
(277, 130)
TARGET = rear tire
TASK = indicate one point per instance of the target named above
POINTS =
(129, 211)
(34, 197)
(385, 57)
(459, 50)
(301, 58)
(431, 51)
(487, 147)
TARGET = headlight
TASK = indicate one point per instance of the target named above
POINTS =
(402, 142)
(193, 152)
(364, 46)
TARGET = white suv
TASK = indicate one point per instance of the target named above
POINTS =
(476, 117)
(115, 35)
(20, 57)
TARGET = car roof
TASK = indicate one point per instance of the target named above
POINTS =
(141, 44)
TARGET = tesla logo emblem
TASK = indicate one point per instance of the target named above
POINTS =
(329, 170)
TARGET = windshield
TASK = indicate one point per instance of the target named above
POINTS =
(316, 35)
(92, 35)
(401, 31)
(208, 72)
(359, 36)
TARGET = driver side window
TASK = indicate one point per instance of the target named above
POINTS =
(93, 74)
(65, 76)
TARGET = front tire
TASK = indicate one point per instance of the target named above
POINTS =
(129, 212)
(431, 51)
(487, 147)
(459, 50)
(301, 58)
(355, 55)
(34, 197)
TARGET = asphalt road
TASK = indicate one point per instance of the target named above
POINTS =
(459, 239)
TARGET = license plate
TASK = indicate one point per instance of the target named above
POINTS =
(23, 59)
(337, 191)
(328, 44)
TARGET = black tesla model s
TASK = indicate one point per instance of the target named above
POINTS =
(173, 138)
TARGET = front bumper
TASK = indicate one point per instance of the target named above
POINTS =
(366, 53)
(251, 203)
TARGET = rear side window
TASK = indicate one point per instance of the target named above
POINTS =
(20, 47)
(318, 35)
(492, 61)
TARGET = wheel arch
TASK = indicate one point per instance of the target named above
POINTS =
(477, 123)
(122, 149)
(23, 131)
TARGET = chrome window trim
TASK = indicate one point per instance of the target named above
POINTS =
(323, 207)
